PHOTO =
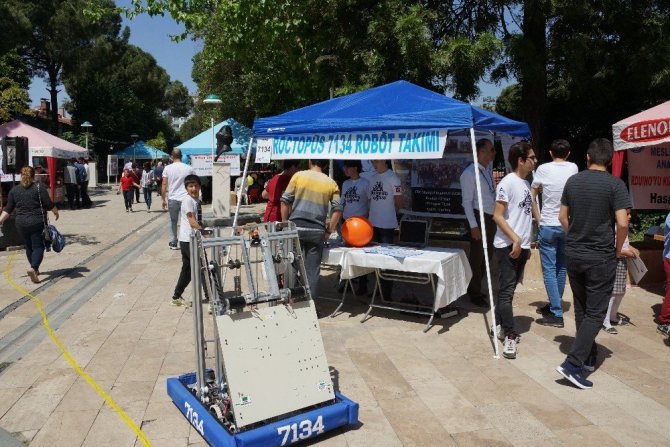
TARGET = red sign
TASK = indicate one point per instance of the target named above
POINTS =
(645, 131)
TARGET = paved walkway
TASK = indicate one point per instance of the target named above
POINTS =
(108, 302)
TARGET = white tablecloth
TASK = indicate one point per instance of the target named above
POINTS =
(450, 265)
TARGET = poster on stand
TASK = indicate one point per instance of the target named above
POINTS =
(202, 164)
(112, 165)
(649, 177)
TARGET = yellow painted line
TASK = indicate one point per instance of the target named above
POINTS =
(45, 322)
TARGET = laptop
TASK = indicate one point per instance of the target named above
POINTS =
(414, 231)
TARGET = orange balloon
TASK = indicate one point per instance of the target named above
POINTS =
(357, 231)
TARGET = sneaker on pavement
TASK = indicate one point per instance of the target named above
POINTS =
(178, 302)
(610, 330)
(544, 310)
(173, 246)
(550, 320)
(664, 329)
(574, 375)
(509, 346)
(501, 336)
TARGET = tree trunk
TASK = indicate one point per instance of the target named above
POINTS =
(533, 71)
(53, 91)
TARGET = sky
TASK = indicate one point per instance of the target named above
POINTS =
(152, 34)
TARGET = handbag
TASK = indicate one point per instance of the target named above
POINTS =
(52, 237)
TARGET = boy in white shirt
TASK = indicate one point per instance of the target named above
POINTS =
(385, 202)
(549, 180)
(190, 220)
(514, 212)
(355, 202)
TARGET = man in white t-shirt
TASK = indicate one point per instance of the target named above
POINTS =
(385, 195)
(549, 180)
(485, 155)
(173, 191)
(514, 212)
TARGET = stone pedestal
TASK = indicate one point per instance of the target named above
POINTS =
(92, 174)
(221, 189)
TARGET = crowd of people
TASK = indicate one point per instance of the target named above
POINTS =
(582, 223)
(583, 236)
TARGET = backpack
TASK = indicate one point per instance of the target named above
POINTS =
(80, 172)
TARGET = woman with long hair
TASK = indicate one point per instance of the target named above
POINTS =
(31, 203)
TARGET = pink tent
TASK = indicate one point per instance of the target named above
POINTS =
(43, 144)
(647, 136)
(40, 143)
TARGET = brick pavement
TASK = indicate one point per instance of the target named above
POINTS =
(439, 388)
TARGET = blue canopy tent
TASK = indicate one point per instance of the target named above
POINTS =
(142, 151)
(201, 144)
(399, 120)
(399, 105)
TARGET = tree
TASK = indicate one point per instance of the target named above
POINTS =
(119, 88)
(15, 68)
(60, 31)
(15, 23)
(13, 99)
(177, 102)
(159, 142)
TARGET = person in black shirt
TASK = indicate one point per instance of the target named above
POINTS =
(592, 202)
(31, 203)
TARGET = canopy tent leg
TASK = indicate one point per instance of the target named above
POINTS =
(485, 243)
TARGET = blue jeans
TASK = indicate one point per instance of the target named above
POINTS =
(174, 208)
(552, 255)
(311, 243)
(34, 243)
(147, 197)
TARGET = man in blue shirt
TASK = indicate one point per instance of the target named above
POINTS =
(664, 317)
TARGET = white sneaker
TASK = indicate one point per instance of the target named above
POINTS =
(501, 336)
(509, 348)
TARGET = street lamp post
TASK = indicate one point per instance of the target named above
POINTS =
(86, 125)
(134, 137)
(213, 100)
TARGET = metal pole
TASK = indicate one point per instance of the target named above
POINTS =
(485, 242)
(198, 327)
(213, 144)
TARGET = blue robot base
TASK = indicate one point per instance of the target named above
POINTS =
(290, 430)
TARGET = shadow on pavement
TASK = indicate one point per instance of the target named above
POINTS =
(76, 272)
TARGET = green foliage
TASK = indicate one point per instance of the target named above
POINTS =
(13, 100)
(119, 88)
(177, 101)
(159, 142)
(641, 221)
(60, 32)
(14, 68)
(14, 23)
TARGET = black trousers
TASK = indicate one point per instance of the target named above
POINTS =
(85, 199)
(185, 273)
(477, 264)
(72, 193)
(591, 281)
(34, 243)
(510, 272)
(137, 194)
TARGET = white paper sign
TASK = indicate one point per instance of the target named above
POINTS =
(372, 145)
(112, 165)
(202, 164)
(263, 150)
(637, 269)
